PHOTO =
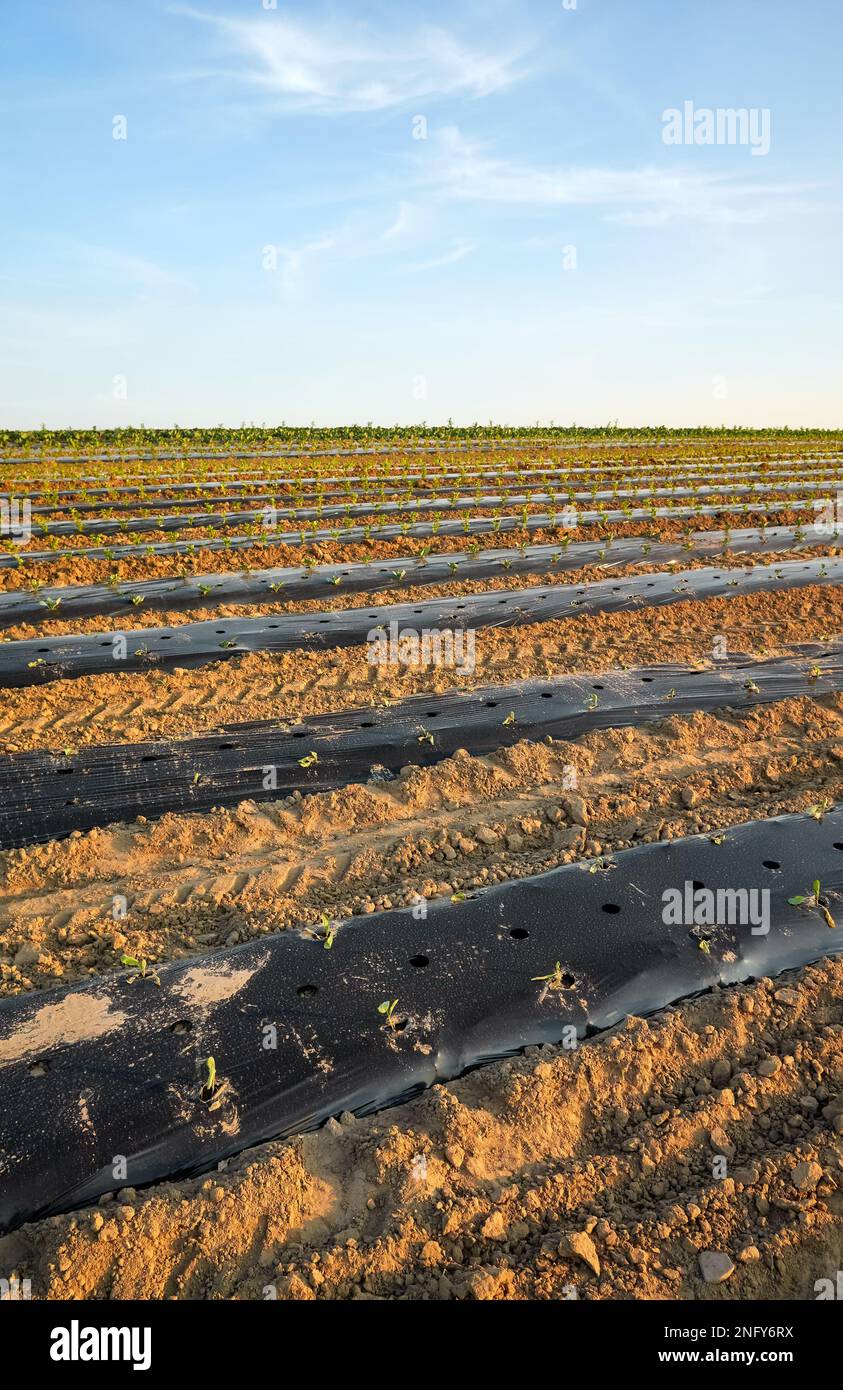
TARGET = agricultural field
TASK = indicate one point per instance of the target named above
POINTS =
(421, 864)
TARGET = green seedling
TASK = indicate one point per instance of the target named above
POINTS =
(814, 900)
(599, 864)
(53, 604)
(510, 718)
(142, 969)
(210, 1084)
(820, 809)
(39, 661)
(204, 590)
(592, 702)
(556, 980)
(814, 673)
(387, 1008)
(751, 686)
(229, 642)
(309, 760)
(426, 737)
(399, 575)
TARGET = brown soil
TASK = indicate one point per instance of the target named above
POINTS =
(559, 1174)
(338, 598)
(136, 707)
(206, 881)
(586, 1174)
(78, 568)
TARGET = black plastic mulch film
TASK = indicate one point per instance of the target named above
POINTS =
(167, 521)
(401, 499)
(804, 469)
(431, 447)
(47, 795)
(116, 1068)
(38, 660)
(292, 585)
(456, 447)
(273, 491)
(467, 526)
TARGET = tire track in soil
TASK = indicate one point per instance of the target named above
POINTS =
(205, 881)
(140, 707)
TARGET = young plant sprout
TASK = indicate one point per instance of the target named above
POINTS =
(814, 900)
(556, 980)
(326, 932)
(309, 760)
(510, 718)
(142, 969)
(600, 864)
(210, 1084)
(426, 737)
(387, 1008)
(821, 808)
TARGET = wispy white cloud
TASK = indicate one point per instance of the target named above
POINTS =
(112, 263)
(402, 221)
(644, 197)
(329, 66)
(294, 257)
(458, 252)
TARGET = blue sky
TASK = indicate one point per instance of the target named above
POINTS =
(273, 241)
